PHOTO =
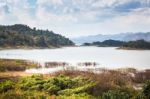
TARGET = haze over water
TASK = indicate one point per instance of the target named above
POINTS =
(108, 57)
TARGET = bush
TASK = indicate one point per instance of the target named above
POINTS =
(66, 87)
(6, 85)
(146, 90)
(116, 94)
(19, 94)
(76, 96)
(15, 65)
(81, 89)
(31, 83)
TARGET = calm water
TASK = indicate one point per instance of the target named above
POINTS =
(108, 57)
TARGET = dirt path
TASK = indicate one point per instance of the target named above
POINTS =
(14, 74)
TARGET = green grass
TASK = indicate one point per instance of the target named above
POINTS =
(69, 87)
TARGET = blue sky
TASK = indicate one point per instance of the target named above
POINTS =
(73, 18)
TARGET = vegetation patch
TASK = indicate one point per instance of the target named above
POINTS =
(22, 36)
(69, 86)
(16, 65)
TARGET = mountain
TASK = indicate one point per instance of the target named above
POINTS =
(120, 37)
(19, 35)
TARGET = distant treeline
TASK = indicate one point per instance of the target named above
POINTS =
(23, 36)
(105, 43)
(138, 44)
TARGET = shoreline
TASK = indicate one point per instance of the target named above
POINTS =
(128, 48)
(52, 47)
(30, 48)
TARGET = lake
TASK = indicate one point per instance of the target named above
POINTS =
(107, 57)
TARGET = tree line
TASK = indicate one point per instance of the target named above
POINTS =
(138, 44)
(23, 35)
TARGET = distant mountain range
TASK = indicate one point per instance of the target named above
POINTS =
(120, 37)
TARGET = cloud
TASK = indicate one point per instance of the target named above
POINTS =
(78, 17)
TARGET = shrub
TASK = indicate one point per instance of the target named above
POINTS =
(146, 90)
(76, 96)
(81, 89)
(15, 65)
(116, 94)
(6, 85)
(19, 94)
(31, 83)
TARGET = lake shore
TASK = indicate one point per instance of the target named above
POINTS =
(108, 57)
(30, 48)
(85, 84)
(129, 48)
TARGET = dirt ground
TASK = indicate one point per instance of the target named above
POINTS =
(14, 74)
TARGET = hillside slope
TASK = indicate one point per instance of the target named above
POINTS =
(19, 35)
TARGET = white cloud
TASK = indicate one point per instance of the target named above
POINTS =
(77, 17)
(54, 2)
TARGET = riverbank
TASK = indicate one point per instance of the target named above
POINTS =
(27, 47)
(71, 84)
(16, 65)
(129, 48)
(30, 48)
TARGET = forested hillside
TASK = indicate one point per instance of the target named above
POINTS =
(139, 44)
(19, 35)
(106, 43)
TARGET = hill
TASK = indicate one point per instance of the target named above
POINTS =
(19, 35)
(106, 43)
(120, 37)
(139, 44)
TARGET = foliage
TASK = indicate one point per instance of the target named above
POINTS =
(146, 90)
(113, 43)
(139, 44)
(6, 85)
(93, 86)
(31, 83)
(117, 94)
(76, 96)
(23, 36)
(15, 65)
(19, 94)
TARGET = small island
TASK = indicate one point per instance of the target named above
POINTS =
(130, 45)
(139, 44)
(106, 43)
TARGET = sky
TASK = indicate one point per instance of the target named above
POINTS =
(74, 18)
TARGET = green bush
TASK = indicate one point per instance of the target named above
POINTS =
(146, 90)
(116, 94)
(56, 84)
(81, 89)
(76, 96)
(64, 87)
(31, 83)
(19, 94)
(6, 85)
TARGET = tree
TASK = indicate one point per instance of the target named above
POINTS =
(146, 90)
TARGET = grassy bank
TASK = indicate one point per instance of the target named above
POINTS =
(16, 65)
(71, 84)
(74, 85)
